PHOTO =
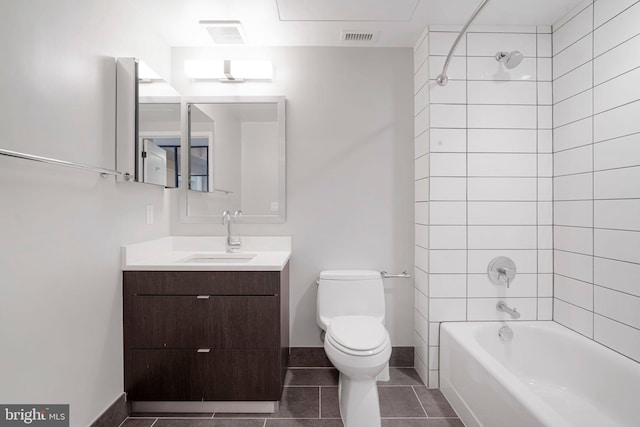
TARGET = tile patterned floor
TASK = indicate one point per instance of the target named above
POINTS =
(310, 399)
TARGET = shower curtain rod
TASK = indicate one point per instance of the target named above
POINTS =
(442, 79)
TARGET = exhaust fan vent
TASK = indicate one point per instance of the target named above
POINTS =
(225, 32)
(358, 36)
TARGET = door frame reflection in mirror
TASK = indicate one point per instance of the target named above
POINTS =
(217, 202)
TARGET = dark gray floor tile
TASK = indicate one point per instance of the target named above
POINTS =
(238, 423)
(401, 357)
(139, 422)
(297, 402)
(399, 402)
(171, 415)
(402, 376)
(425, 422)
(308, 357)
(434, 402)
(329, 405)
(304, 423)
(312, 377)
(190, 422)
(183, 422)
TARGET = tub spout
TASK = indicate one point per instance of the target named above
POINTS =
(503, 307)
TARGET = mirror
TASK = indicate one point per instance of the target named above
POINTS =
(158, 145)
(236, 158)
(148, 131)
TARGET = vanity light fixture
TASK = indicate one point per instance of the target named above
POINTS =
(229, 71)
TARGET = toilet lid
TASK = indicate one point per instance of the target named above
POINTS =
(357, 332)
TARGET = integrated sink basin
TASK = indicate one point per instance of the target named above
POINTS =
(226, 258)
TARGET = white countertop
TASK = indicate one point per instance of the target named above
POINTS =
(173, 253)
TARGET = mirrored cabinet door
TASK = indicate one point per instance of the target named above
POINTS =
(148, 127)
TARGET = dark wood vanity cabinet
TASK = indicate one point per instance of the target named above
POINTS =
(205, 335)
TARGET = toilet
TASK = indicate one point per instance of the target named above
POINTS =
(351, 311)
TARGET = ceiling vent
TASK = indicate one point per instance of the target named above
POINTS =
(358, 36)
(225, 32)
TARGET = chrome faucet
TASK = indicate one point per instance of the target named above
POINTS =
(504, 271)
(503, 307)
(233, 242)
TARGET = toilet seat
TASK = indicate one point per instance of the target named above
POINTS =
(357, 335)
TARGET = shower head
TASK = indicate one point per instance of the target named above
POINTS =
(510, 59)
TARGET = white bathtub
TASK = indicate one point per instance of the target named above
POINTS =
(547, 375)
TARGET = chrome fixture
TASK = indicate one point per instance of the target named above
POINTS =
(510, 59)
(442, 79)
(102, 171)
(233, 243)
(502, 271)
(505, 333)
(403, 275)
(504, 308)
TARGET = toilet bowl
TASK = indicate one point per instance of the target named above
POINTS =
(351, 311)
(359, 347)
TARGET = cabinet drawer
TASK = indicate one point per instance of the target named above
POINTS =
(209, 322)
(175, 375)
(202, 282)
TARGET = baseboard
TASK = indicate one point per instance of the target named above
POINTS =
(114, 415)
(315, 357)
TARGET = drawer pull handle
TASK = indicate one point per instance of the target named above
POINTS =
(203, 296)
(204, 350)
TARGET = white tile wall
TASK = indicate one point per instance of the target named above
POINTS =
(490, 176)
(617, 30)
(578, 27)
(498, 189)
(573, 135)
(618, 60)
(572, 57)
(573, 83)
(617, 153)
(617, 91)
(573, 161)
(617, 214)
(615, 122)
(573, 187)
(596, 173)
(448, 140)
(618, 336)
(502, 140)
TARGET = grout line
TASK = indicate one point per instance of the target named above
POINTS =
(419, 401)
(593, 168)
(319, 402)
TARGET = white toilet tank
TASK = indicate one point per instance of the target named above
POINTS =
(348, 293)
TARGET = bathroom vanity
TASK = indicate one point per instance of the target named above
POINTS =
(205, 330)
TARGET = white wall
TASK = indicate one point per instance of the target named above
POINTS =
(61, 229)
(597, 173)
(489, 164)
(349, 168)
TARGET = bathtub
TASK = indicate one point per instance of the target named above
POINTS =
(547, 375)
